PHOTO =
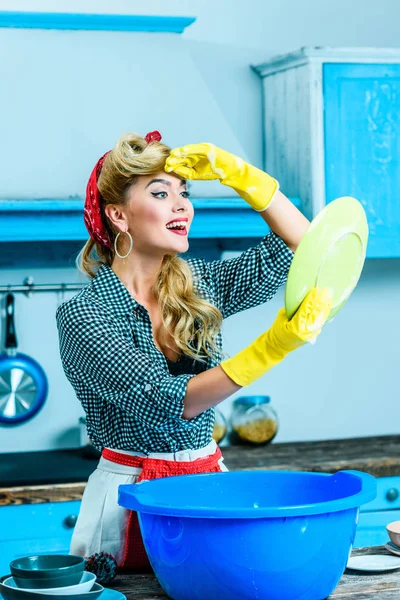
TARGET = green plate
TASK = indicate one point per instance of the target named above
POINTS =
(330, 255)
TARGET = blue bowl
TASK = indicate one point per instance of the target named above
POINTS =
(244, 535)
(47, 570)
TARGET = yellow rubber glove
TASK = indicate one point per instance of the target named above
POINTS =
(271, 347)
(206, 162)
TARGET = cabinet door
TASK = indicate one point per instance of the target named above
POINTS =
(35, 528)
(362, 145)
(387, 495)
(371, 528)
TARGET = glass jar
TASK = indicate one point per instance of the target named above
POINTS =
(254, 421)
(220, 426)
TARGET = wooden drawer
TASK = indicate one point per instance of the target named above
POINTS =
(35, 528)
(388, 495)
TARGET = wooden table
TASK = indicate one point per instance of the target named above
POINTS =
(353, 585)
(379, 456)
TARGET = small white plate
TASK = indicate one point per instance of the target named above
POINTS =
(374, 562)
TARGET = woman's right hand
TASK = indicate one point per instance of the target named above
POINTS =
(305, 325)
(270, 348)
(284, 336)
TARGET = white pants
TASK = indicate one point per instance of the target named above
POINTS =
(102, 523)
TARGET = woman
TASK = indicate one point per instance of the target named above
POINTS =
(141, 344)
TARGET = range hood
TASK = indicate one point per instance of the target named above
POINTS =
(69, 92)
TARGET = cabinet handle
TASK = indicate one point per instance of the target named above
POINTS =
(392, 494)
(70, 521)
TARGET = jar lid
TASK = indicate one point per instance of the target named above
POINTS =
(252, 400)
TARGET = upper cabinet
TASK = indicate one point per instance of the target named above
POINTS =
(332, 128)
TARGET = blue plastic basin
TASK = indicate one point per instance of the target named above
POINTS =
(244, 535)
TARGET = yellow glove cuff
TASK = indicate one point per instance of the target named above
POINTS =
(253, 362)
(253, 185)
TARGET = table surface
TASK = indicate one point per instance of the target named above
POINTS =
(61, 475)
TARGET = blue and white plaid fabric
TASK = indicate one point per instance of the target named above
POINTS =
(131, 400)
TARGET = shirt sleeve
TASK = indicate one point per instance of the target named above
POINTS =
(251, 278)
(96, 354)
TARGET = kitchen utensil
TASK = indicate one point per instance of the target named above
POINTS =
(29, 583)
(373, 562)
(85, 585)
(111, 595)
(393, 530)
(257, 534)
(23, 382)
(97, 590)
(330, 255)
(48, 567)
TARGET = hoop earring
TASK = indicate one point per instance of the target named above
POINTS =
(130, 244)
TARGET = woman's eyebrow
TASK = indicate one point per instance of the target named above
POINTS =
(165, 181)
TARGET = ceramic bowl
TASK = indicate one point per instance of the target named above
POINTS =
(47, 570)
(393, 530)
(85, 585)
(29, 583)
(10, 593)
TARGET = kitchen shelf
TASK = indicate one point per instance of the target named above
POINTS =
(94, 22)
(46, 220)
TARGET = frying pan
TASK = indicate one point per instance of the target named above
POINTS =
(23, 382)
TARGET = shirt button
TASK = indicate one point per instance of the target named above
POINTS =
(147, 387)
(136, 314)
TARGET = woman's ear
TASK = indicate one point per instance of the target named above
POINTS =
(116, 216)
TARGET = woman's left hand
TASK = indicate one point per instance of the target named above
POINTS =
(208, 162)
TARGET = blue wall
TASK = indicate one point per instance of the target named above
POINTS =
(347, 384)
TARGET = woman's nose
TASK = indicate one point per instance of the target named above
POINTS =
(181, 204)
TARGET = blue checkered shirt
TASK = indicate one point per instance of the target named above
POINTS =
(131, 400)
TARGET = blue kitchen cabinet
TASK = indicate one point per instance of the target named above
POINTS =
(332, 128)
(362, 145)
(374, 516)
(35, 528)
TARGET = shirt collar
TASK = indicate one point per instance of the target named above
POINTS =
(109, 288)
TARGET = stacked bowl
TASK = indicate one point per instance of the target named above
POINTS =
(49, 576)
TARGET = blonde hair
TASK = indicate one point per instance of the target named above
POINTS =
(193, 322)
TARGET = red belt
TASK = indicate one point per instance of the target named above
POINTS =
(135, 556)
